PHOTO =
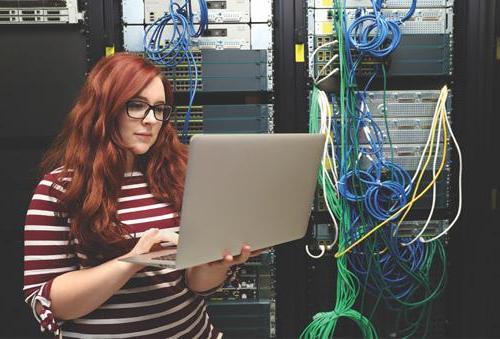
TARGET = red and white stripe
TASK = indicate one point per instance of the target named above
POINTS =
(154, 302)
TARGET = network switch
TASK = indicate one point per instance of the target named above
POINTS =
(139, 12)
(224, 71)
(218, 37)
(386, 3)
(225, 118)
(219, 11)
(417, 54)
(423, 21)
(39, 12)
(417, 103)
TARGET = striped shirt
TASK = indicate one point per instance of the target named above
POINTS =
(152, 303)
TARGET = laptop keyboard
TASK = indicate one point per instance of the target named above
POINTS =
(166, 257)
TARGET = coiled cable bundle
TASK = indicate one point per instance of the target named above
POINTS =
(175, 49)
(375, 34)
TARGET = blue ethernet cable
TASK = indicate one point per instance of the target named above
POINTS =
(177, 48)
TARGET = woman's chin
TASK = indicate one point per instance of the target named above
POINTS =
(140, 150)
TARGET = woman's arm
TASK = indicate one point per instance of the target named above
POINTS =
(77, 293)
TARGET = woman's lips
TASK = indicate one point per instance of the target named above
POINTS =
(145, 136)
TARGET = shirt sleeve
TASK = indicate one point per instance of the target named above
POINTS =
(48, 251)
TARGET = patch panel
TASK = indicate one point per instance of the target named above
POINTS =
(225, 119)
(195, 127)
(225, 71)
(196, 113)
(181, 85)
(181, 72)
(365, 69)
(39, 12)
(386, 4)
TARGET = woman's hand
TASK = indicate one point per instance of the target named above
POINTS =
(151, 240)
(229, 260)
(206, 277)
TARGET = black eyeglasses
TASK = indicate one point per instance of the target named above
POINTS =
(139, 110)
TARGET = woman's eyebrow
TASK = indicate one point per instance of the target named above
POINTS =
(146, 99)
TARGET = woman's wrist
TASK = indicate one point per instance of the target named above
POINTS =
(127, 267)
(205, 277)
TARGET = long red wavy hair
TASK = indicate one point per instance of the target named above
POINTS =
(91, 152)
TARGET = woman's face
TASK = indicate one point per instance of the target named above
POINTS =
(139, 135)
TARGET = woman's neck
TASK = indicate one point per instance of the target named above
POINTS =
(130, 163)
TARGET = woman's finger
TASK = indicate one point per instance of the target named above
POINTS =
(167, 235)
(145, 242)
(228, 260)
(244, 255)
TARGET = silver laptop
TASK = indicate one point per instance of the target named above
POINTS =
(254, 189)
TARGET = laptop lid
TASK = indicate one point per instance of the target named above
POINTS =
(254, 189)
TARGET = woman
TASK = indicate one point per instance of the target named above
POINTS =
(113, 188)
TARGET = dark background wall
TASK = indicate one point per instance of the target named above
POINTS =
(42, 68)
(473, 248)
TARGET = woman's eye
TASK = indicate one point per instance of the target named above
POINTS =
(136, 105)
